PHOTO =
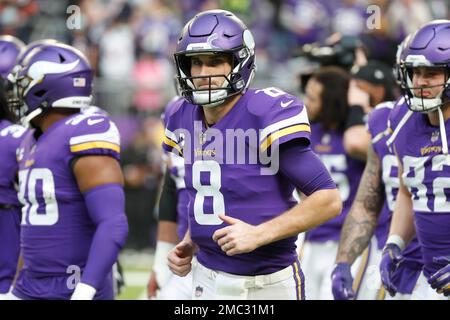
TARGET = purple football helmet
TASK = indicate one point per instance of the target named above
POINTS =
(35, 44)
(400, 59)
(13, 99)
(54, 76)
(428, 47)
(9, 50)
(215, 32)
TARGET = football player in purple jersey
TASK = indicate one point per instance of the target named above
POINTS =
(172, 226)
(10, 48)
(420, 142)
(372, 210)
(326, 101)
(245, 151)
(13, 99)
(10, 137)
(70, 182)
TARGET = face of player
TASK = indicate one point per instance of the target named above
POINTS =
(313, 101)
(428, 81)
(208, 65)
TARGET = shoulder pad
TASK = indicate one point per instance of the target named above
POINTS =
(94, 134)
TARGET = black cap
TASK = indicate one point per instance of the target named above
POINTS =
(374, 72)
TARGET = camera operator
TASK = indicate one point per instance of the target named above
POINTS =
(371, 84)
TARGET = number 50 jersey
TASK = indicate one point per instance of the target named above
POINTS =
(56, 228)
(223, 173)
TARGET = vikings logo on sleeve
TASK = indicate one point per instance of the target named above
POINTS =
(94, 134)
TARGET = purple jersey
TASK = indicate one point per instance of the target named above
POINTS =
(10, 137)
(377, 125)
(176, 170)
(346, 173)
(410, 267)
(426, 174)
(57, 230)
(225, 173)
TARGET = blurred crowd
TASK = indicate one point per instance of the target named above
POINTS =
(130, 44)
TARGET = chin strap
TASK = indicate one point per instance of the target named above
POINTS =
(394, 134)
(443, 134)
(26, 121)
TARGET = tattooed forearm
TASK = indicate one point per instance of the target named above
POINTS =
(371, 191)
(361, 221)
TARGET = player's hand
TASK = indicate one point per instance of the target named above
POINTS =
(392, 255)
(440, 281)
(180, 258)
(342, 281)
(238, 237)
(152, 286)
(357, 96)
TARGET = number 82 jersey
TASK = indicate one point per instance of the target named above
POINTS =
(426, 175)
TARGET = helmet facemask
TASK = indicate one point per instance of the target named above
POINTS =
(419, 103)
(215, 32)
(21, 84)
(15, 94)
(232, 84)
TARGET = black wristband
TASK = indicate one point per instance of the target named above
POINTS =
(355, 116)
(168, 201)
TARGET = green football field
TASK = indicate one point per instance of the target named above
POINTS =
(136, 267)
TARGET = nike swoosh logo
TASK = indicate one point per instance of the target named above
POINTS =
(285, 104)
(91, 122)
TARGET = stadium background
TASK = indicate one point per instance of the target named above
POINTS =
(130, 45)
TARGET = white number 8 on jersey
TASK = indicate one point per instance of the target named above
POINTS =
(210, 190)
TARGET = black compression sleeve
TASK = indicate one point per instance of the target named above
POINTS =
(355, 116)
(168, 200)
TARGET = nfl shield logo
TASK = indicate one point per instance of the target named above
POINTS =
(435, 136)
(198, 291)
(326, 139)
(202, 138)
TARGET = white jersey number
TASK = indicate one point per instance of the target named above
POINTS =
(441, 204)
(210, 190)
(390, 183)
(336, 165)
(28, 179)
(416, 165)
(272, 92)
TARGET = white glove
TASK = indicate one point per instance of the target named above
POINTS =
(83, 292)
(160, 266)
(7, 295)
